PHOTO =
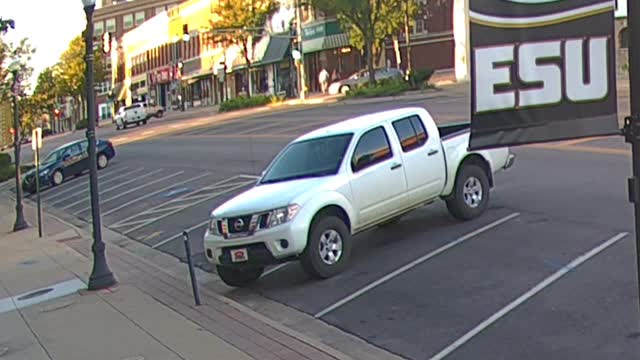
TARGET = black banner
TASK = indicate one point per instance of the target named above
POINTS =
(541, 70)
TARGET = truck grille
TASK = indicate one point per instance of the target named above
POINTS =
(239, 225)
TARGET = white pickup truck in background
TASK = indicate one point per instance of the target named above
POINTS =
(137, 113)
(337, 181)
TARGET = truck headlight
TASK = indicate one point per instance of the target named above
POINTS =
(282, 215)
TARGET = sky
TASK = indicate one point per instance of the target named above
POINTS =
(49, 24)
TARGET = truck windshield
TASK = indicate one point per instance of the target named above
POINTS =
(310, 158)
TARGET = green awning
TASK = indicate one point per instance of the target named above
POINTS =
(276, 50)
(325, 43)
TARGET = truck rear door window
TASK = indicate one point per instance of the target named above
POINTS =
(373, 148)
(411, 133)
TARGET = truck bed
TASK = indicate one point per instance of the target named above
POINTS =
(451, 130)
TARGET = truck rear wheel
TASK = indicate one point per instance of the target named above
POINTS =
(328, 248)
(471, 193)
(239, 276)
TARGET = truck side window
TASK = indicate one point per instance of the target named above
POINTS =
(373, 148)
(411, 133)
(421, 132)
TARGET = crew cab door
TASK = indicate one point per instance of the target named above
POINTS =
(378, 182)
(423, 159)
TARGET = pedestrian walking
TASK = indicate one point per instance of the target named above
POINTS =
(323, 78)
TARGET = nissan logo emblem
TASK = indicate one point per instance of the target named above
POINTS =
(238, 224)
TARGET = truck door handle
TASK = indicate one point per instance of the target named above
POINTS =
(432, 152)
(396, 166)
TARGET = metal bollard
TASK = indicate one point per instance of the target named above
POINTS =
(192, 273)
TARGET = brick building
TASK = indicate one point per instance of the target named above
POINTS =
(118, 17)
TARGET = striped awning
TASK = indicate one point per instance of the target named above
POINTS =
(325, 43)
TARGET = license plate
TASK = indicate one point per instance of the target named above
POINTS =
(239, 255)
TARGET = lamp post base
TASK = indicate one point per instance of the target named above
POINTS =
(20, 223)
(101, 281)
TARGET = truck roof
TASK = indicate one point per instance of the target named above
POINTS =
(353, 125)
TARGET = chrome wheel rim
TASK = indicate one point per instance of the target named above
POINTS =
(102, 161)
(330, 247)
(57, 178)
(472, 192)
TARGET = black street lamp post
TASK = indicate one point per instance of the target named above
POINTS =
(20, 223)
(101, 276)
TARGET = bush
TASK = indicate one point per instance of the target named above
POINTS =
(7, 172)
(5, 160)
(243, 102)
(386, 87)
(420, 79)
(82, 124)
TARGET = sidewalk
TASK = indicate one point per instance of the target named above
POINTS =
(150, 314)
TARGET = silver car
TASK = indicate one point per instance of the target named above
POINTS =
(361, 78)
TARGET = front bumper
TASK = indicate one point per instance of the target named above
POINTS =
(265, 247)
(29, 183)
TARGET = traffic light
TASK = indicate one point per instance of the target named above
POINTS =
(56, 112)
(106, 42)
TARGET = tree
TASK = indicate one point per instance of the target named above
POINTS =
(70, 72)
(5, 24)
(9, 53)
(239, 21)
(367, 19)
(45, 95)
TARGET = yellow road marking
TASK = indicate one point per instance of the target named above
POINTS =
(153, 235)
(585, 149)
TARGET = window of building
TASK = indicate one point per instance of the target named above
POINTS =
(158, 10)
(111, 25)
(420, 26)
(127, 21)
(139, 17)
(98, 28)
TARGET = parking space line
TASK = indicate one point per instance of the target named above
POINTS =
(119, 195)
(527, 295)
(260, 128)
(413, 264)
(82, 183)
(289, 129)
(113, 188)
(176, 210)
(104, 183)
(274, 269)
(173, 210)
(178, 235)
(154, 193)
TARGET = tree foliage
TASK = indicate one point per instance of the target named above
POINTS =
(370, 22)
(239, 22)
(70, 70)
(5, 24)
(10, 53)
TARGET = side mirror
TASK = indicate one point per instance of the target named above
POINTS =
(66, 157)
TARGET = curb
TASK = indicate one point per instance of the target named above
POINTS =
(238, 306)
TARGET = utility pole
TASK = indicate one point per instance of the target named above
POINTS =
(302, 82)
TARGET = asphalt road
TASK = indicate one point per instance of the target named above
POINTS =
(547, 273)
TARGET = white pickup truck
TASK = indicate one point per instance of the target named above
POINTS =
(137, 113)
(337, 181)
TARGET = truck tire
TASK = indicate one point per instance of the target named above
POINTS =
(239, 276)
(471, 193)
(328, 248)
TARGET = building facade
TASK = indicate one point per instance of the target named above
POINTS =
(117, 17)
(175, 60)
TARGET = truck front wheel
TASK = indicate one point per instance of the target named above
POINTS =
(239, 276)
(328, 248)
(471, 193)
